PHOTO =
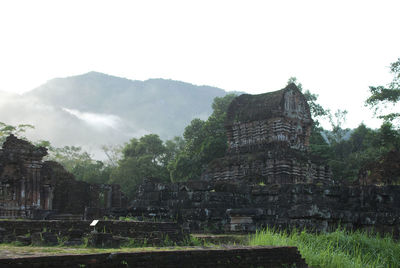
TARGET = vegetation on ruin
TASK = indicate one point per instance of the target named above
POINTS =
(351, 154)
(336, 249)
(18, 130)
(203, 142)
(340, 248)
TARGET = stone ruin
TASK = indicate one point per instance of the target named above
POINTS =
(268, 139)
(49, 205)
(223, 257)
(35, 189)
(269, 178)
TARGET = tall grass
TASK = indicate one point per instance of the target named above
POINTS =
(337, 249)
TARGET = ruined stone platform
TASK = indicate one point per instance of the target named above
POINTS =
(151, 233)
(187, 257)
(239, 206)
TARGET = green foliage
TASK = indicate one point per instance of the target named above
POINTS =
(167, 242)
(204, 141)
(348, 151)
(128, 218)
(364, 146)
(172, 149)
(144, 158)
(113, 153)
(338, 132)
(184, 167)
(191, 240)
(6, 130)
(381, 96)
(79, 163)
(316, 110)
(337, 249)
(134, 243)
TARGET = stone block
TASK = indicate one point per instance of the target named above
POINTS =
(102, 240)
(23, 240)
(44, 239)
(198, 185)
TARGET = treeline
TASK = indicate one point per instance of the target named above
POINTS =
(148, 157)
(352, 154)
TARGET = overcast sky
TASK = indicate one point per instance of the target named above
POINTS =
(335, 48)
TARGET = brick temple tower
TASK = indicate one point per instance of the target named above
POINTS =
(268, 140)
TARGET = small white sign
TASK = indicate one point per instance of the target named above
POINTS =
(94, 223)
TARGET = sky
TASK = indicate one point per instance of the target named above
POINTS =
(336, 49)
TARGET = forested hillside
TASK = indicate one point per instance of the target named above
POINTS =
(155, 105)
(95, 109)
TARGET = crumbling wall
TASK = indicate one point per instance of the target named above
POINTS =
(152, 233)
(269, 178)
(22, 188)
(226, 257)
(31, 188)
(238, 206)
(279, 116)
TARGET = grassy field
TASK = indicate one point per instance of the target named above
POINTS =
(337, 249)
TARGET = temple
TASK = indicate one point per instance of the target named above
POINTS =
(36, 189)
(268, 140)
(269, 177)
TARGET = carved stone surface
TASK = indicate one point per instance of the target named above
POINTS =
(254, 120)
(268, 138)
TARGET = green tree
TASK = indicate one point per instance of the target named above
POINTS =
(316, 110)
(363, 148)
(204, 141)
(79, 163)
(172, 148)
(141, 159)
(113, 154)
(318, 138)
(6, 130)
(338, 132)
(382, 96)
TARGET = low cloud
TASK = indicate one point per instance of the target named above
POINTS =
(96, 119)
(63, 126)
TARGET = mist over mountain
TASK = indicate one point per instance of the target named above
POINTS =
(96, 109)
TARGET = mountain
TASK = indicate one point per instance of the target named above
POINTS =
(95, 109)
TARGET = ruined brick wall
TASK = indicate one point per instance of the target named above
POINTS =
(269, 178)
(277, 164)
(22, 188)
(228, 257)
(279, 116)
(236, 206)
(151, 232)
(32, 188)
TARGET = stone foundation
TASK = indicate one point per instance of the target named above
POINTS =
(234, 257)
(240, 206)
(151, 233)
